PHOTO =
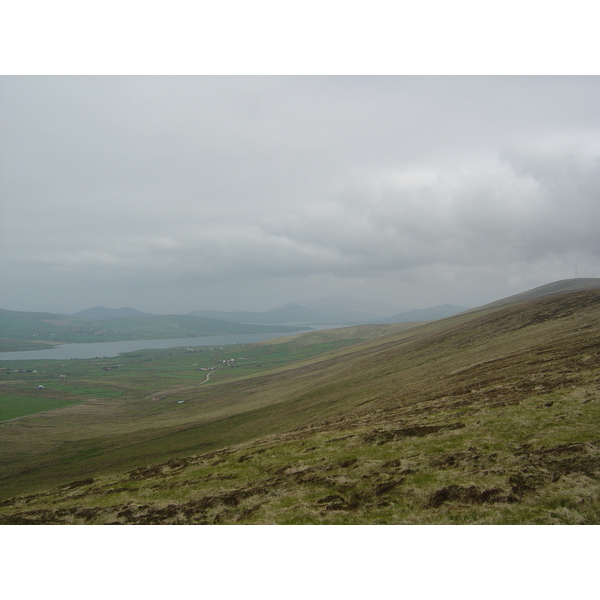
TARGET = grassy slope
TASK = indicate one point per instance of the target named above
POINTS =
(550, 289)
(129, 413)
(482, 418)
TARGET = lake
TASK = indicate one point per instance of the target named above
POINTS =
(109, 349)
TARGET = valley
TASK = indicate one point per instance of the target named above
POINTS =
(487, 417)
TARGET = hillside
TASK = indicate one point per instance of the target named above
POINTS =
(486, 417)
(425, 314)
(550, 289)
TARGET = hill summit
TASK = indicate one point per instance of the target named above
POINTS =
(101, 313)
(550, 289)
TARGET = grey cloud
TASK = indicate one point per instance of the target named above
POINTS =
(150, 189)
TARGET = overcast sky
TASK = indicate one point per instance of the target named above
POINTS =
(173, 194)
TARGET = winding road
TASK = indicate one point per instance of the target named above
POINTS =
(175, 390)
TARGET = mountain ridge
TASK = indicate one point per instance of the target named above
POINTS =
(101, 313)
(549, 289)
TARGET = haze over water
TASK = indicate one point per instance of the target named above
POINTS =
(111, 349)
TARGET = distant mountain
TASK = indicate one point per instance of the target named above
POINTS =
(239, 316)
(24, 331)
(294, 313)
(334, 310)
(341, 309)
(337, 304)
(101, 313)
(426, 314)
(286, 314)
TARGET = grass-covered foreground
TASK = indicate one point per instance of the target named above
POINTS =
(490, 417)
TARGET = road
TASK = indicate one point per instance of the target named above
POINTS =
(180, 389)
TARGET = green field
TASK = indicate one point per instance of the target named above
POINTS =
(489, 417)
(13, 406)
(138, 374)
